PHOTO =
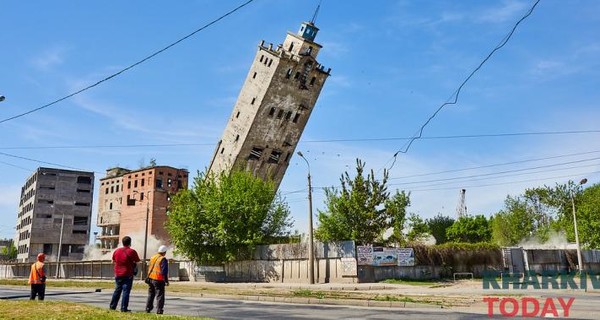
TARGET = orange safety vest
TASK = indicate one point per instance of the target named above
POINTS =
(154, 271)
(37, 272)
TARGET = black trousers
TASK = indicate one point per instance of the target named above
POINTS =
(156, 289)
(38, 290)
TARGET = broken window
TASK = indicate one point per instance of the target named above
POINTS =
(289, 73)
(279, 114)
(255, 154)
(274, 157)
(159, 183)
(288, 115)
(86, 180)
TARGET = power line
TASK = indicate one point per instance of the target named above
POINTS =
(40, 161)
(457, 92)
(129, 67)
(494, 165)
(509, 182)
(486, 177)
(485, 135)
(16, 166)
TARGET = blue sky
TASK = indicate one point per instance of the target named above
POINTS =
(393, 64)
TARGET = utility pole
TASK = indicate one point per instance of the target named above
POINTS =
(579, 259)
(143, 273)
(311, 251)
(461, 208)
(60, 238)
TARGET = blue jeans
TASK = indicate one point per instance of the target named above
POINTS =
(122, 284)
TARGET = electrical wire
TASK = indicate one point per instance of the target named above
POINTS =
(40, 161)
(129, 67)
(485, 135)
(494, 165)
(456, 94)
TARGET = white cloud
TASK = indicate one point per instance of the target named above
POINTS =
(509, 11)
(49, 58)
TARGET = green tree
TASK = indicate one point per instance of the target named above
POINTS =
(513, 224)
(470, 229)
(588, 210)
(418, 228)
(223, 218)
(362, 209)
(10, 251)
(437, 227)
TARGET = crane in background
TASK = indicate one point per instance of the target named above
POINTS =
(461, 208)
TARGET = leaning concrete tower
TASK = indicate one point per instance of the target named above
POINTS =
(273, 107)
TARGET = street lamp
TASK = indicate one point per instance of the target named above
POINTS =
(60, 238)
(311, 253)
(145, 234)
(579, 260)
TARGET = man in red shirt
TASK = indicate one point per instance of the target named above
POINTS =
(124, 259)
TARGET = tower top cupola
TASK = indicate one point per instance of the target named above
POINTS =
(308, 31)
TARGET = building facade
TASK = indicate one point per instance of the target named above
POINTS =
(129, 199)
(273, 107)
(55, 212)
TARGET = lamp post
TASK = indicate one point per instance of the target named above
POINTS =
(60, 238)
(145, 235)
(311, 253)
(579, 260)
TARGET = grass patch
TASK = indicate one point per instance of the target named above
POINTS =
(56, 310)
(306, 293)
(421, 283)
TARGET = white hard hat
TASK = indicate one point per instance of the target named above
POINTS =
(162, 249)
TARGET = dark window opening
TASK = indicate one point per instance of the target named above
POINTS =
(270, 61)
(222, 149)
(297, 75)
(262, 57)
(142, 181)
(274, 157)
(135, 184)
(82, 204)
(310, 49)
(112, 189)
(88, 191)
(48, 248)
(289, 73)
(237, 115)
(287, 157)
(86, 180)
(159, 183)
(288, 115)
(272, 112)
(128, 184)
(253, 99)
(279, 114)
(130, 201)
(80, 221)
(46, 201)
(179, 185)
(254, 76)
(141, 196)
(117, 189)
(296, 118)
(237, 137)
(255, 154)
(110, 206)
(291, 46)
(312, 81)
(106, 191)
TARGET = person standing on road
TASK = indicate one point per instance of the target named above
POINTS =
(124, 259)
(37, 278)
(158, 278)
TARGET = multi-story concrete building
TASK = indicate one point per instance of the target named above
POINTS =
(273, 107)
(55, 212)
(130, 198)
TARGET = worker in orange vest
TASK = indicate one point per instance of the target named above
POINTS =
(157, 279)
(37, 278)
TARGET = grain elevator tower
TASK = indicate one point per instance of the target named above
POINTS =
(273, 107)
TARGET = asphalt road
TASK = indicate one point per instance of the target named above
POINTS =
(225, 309)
